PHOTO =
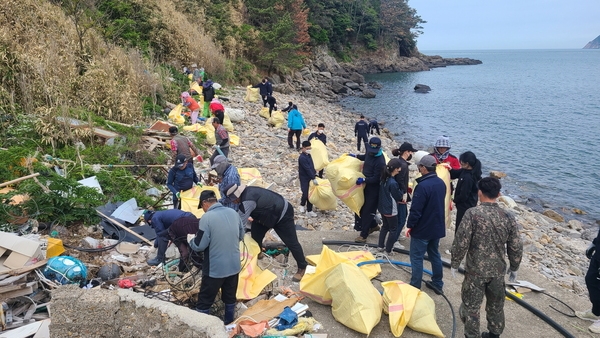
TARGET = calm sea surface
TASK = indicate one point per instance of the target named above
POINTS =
(533, 114)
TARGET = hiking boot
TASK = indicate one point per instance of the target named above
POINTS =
(595, 327)
(311, 214)
(298, 276)
(374, 229)
(155, 261)
(398, 246)
(489, 335)
(438, 291)
(302, 209)
(359, 239)
(587, 315)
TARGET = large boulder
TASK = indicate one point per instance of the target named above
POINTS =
(368, 94)
(421, 88)
(339, 88)
(356, 77)
(352, 85)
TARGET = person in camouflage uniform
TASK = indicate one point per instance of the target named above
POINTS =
(482, 236)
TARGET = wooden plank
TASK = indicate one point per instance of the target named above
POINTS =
(13, 279)
(126, 228)
(104, 133)
(29, 289)
(28, 268)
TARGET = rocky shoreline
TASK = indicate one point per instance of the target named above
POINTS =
(553, 248)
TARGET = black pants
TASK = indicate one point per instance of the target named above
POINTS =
(460, 212)
(265, 99)
(216, 153)
(389, 228)
(366, 220)
(286, 230)
(320, 173)
(360, 139)
(292, 133)
(593, 285)
(271, 107)
(304, 199)
(210, 287)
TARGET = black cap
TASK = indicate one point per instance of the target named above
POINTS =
(180, 160)
(374, 145)
(407, 147)
(206, 195)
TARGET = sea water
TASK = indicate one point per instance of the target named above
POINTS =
(533, 114)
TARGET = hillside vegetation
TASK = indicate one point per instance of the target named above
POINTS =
(121, 60)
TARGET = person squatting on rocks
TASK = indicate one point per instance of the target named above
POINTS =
(389, 197)
(288, 108)
(426, 224)
(265, 89)
(161, 221)
(182, 177)
(404, 154)
(208, 92)
(228, 175)
(361, 131)
(487, 233)
(374, 127)
(264, 209)
(320, 135)
(295, 126)
(306, 173)
(217, 109)
(222, 137)
(220, 241)
(178, 232)
(181, 145)
(592, 281)
(441, 152)
(191, 104)
(372, 168)
(465, 193)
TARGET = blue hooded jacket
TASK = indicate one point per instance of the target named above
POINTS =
(295, 120)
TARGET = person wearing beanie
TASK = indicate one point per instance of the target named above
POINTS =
(404, 153)
(426, 225)
(441, 152)
(219, 236)
(306, 173)
(389, 197)
(361, 131)
(191, 104)
(465, 193)
(181, 145)
(161, 221)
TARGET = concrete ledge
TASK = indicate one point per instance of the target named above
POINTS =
(124, 313)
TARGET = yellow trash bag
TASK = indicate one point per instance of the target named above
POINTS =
(444, 174)
(210, 133)
(250, 175)
(371, 270)
(319, 154)
(227, 123)
(252, 279)
(234, 140)
(356, 303)
(196, 87)
(343, 173)
(190, 199)
(386, 157)
(264, 112)
(175, 115)
(409, 306)
(312, 285)
(252, 94)
(276, 119)
(195, 127)
(321, 196)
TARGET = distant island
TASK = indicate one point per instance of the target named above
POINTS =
(594, 44)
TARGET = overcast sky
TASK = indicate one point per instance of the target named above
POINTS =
(507, 24)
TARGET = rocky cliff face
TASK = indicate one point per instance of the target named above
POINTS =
(328, 79)
(594, 44)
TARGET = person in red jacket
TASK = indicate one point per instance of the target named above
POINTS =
(215, 105)
(190, 104)
(442, 154)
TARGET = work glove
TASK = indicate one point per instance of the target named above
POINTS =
(216, 146)
(199, 184)
(453, 271)
(404, 197)
(512, 276)
(199, 158)
(315, 182)
(178, 194)
(352, 155)
(360, 181)
(589, 252)
(408, 232)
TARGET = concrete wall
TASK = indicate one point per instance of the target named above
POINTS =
(83, 313)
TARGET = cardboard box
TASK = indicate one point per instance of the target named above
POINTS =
(17, 252)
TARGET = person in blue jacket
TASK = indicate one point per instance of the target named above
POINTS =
(229, 175)
(374, 127)
(306, 173)
(426, 224)
(161, 221)
(182, 177)
(361, 131)
(295, 126)
(372, 168)
(389, 197)
(265, 89)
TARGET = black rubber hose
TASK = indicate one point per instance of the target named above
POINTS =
(517, 300)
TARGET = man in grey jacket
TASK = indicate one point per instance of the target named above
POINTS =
(222, 232)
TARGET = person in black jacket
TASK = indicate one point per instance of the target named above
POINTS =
(404, 154)
(268, 210)
(272, 104)
(208, 92)
(592, 281)
(265, 90)
(288, 108)
(374, 127)
(465, 194)
(320, 135)
(374, 165)
(306, 173)
(361, 131)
